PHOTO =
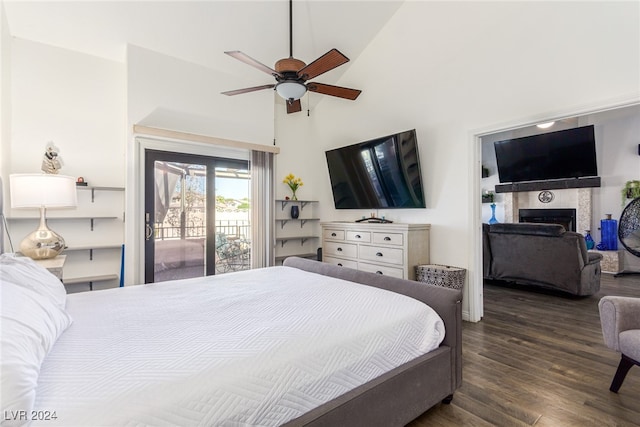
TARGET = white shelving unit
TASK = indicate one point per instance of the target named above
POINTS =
(93, 233)
(296, 236)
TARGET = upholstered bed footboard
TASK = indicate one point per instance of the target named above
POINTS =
(404, 393)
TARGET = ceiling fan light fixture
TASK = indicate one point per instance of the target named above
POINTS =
(546, 125)
(291, 90)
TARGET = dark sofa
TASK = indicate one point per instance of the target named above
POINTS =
(542, 255)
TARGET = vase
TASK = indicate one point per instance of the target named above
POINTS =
(293, 196)
(608, 228)
(589, 240)
(295, 211)
(493, 219)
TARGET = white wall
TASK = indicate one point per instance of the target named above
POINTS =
(449, 69)
(75, 100)
(78, 102)
(171, 93)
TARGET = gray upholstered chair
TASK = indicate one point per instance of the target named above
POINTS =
(540, 255)
(620, 320)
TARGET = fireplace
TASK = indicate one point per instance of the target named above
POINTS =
(564, 217)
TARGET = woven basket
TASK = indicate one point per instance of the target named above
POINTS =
(441, 275)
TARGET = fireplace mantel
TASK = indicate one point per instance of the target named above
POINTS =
(556, 184)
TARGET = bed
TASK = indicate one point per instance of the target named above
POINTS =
(301, 344)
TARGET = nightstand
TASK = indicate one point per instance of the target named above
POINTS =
(54, 265)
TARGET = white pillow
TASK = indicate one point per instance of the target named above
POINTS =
(30, 324)
(25, 272)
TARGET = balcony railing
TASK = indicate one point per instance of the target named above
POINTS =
(232, 246)
(228, 227)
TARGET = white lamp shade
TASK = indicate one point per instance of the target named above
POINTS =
(42, 190)
(291, 90)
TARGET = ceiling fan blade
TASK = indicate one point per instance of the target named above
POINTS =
(326, 62)
(340, 92)
(294, 106)
(250, 61)
(248, 89)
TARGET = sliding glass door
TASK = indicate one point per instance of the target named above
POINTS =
(196, 215)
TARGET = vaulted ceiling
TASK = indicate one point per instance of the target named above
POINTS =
(200, 31)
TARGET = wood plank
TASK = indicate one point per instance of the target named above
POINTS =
(538, 358)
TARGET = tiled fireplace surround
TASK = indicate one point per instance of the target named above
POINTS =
(573, 198)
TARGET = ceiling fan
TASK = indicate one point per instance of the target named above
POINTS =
(292, 74)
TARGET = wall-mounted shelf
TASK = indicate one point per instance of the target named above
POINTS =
(94, 189)
(91, 249)
(90, 279)
(306, 255)
(302, 221)
(556, 184)
(307, 234)
(302, 203)
(302, 239)
(65, 218)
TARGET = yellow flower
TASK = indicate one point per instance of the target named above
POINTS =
(293, 183)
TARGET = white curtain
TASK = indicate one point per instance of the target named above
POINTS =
(165, 187)
(262, 209)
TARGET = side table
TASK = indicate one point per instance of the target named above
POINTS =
(611, 260)
(54, 265)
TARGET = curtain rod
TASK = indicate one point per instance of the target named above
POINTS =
(140, 130)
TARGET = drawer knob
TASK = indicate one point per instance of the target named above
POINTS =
(379, 272)
(333, 234)
(339, 249)
(387, 238)
(358, 236)
(379, 254)
(339, 264)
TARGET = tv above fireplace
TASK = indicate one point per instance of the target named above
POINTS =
(383, 173)
(563, 154)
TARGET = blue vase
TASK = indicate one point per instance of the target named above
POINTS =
(493, 219)
(295, 211)
(609, 229)
(589, 240)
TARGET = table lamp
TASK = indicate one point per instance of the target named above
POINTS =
(42, 191)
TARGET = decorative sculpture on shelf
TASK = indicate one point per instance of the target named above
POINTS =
(52, 162)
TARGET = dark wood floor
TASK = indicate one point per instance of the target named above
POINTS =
(539, 359)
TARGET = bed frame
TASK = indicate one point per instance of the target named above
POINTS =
(400, 395)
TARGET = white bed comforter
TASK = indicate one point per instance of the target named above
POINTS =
(258, 347)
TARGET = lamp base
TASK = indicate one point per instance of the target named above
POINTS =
(43, 243)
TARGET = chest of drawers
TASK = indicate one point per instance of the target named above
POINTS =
(390, 249)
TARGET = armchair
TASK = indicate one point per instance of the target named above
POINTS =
(620, 320)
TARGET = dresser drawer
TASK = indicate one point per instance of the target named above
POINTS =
(384, 270)
(359, 236)
(382, 254)
(341, 262)
(349, 250)
(388, 238)
(333, 234)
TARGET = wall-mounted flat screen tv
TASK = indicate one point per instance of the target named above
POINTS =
(564, 154)
(382, 173)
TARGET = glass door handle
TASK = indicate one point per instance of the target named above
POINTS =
(148, 232)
